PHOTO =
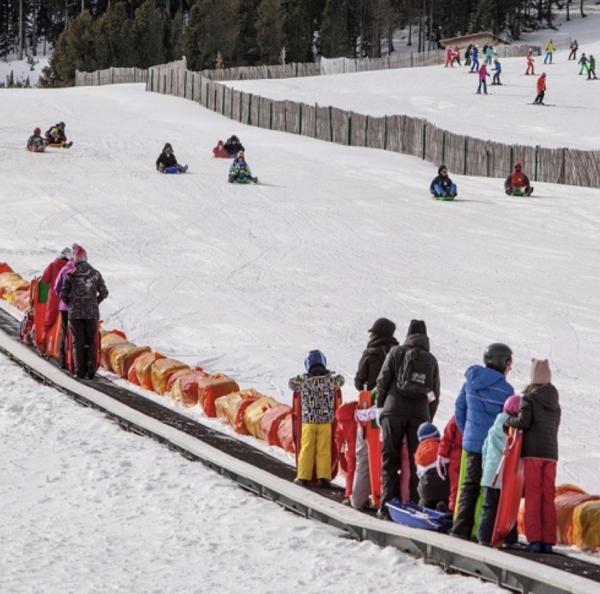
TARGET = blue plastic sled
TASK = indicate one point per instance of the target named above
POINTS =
(171, 170)
(414, 516)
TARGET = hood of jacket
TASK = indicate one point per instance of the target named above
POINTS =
(417, 340)
(385, 341)
(480, 378)
(546, 395)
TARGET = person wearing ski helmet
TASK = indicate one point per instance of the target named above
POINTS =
(317, 389)
(442, 186)
(233, 145)
(493, 449)
(56, 134)
(479, 402)
(167, 160)
(408, 392)
(517, 182)
(36, 143)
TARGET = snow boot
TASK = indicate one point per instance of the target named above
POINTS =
(301, 482)
(323, 483)
(184, 169)
(535, 547)
(547, 548)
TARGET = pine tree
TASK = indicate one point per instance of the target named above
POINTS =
(114, 45)
(174, 37)
(148, 28)
(483, 17)
(334, 40)
(246, 52)
(269, 31)
(298, 31)
(213, 28)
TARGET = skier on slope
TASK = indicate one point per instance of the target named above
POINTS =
(468, 51)
(442, 185)
(539, 419)
(482, 76)
(497, 72)
(489, 55)
(479, 402)
(541, 89)
(530, 63)
(474, 59)
(592, 68)
(82, 291)
(239, 172)
(550, 49)
(517, 183)
(36, 143)
(167, 161)
(573, 46)
(57, 135)
(583, 63)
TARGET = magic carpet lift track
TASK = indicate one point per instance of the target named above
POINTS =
(271, 479)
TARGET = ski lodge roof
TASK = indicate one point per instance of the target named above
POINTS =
(481, 38)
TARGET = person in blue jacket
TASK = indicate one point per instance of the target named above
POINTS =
(442, 185)
(474, 59)
(497, 71)
(480, 401)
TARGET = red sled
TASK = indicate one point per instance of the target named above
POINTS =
(219, 151)
(511, 470)
(297, 431)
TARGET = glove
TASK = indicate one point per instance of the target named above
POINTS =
(378, 418)
(440, 466)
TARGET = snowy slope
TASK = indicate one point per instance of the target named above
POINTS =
(89, 508)
(22, 70)
(245, 280)
(446, 96)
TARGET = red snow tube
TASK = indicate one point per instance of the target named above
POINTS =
(285, 433)
(269, 423)
(162, 370)
(140, 373)
(183, 386)
(213, 387)
(586, 526)
(123, 355)
(107, 342)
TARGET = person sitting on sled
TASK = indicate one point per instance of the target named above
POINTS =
(56, 134)
(36, 143)
(442, 185)
(434, 490)
(233, 146)
(240, 171)
(492, 452)
(167, 160)
(317, 389)
(219, 152)
(517, 183)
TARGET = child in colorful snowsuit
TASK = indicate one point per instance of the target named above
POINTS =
(36, 143)
(449, 455)
(583, 63)
(550, 49)
(592, 68)
(517, 181)
(483, 74)
(474, 59)
(240, 171)
(433, 489)
(573, 46)
(317, 389)
(345, 443)
(539, 419)
(497, 72)
(530, 63)
(492, 452)
(442, 185)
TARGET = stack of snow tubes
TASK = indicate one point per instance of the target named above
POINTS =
(14, 289)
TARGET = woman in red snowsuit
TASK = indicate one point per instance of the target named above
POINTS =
(449, 454)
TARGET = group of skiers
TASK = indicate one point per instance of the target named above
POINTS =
(76, 290)
(55, 136)
(405, 383)
(239, 171)
(516, 184)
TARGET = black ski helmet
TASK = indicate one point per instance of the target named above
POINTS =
(497, 356)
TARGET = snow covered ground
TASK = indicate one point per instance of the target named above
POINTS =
(446, 96)
(246, 279)
(22, 70)
(87, 507)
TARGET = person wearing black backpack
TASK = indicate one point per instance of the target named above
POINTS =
(408, 394)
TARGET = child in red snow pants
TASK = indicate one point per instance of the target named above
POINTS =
(540, 511)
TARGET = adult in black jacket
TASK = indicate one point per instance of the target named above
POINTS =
(167, 159)
(233, 146)
(82, 291)
(381, 340)
(408, 395)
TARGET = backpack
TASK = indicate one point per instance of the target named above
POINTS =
(417, 376)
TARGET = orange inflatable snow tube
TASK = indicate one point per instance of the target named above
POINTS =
(183, 386)
(162, 370)
(233, 406)
(212, 387)
(255, 412)
(566, 501)
(269, 423)
(11, 282)
(140, 373)
(586, 526)
(21, 299)
(107, 341)
(122, 356)
(285, 433)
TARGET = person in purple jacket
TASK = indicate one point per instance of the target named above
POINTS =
(483, 74)
(63, 309)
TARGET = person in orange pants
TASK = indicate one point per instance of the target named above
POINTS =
(530, 63)
(317, 389)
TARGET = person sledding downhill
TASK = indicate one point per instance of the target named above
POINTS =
(167, 162)
(239, 172)
(219, 151)
(541, 90)
(442, 187)
(317, 388)
(82, 291)
(517, 183)
(56, 136)
(233, 146)
(35, 143)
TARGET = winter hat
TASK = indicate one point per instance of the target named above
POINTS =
(540, 371)
(427, 431)
(417, 327)
(518, 166)
(79, 254)
(37, 131)
(67, 253)
(441, 168)
(167, 146)
(383, 327)
(313, 358)
(512, 405)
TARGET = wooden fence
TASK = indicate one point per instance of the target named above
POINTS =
(400, 133)
(110, 76)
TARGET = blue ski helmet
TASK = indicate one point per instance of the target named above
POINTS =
(313, 358)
